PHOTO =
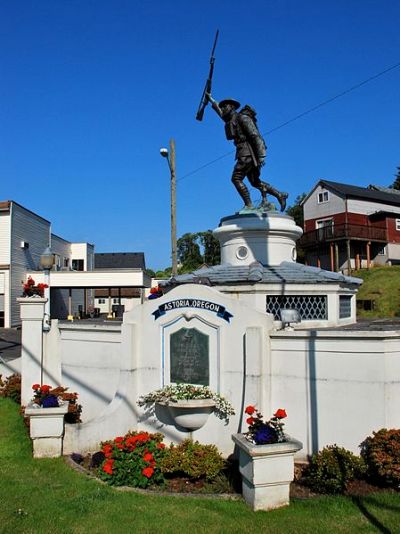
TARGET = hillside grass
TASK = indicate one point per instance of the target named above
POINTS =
(47, 496)
(382, 285)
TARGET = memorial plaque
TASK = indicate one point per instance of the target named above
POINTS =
(189, 357)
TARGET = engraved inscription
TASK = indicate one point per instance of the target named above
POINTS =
(189, 353)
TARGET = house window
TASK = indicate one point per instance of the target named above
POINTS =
(66, 263)
(102, 301)
(77, 265)
(57, 262)
(382, 251)
(323, 197)
(344, 306)
(115, 301)
(325, 228)
(398, 225)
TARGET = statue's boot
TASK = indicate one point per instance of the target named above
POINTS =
(281, 197)
(244, 193)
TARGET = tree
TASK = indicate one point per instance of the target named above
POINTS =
(211, 248)
(196, 249)
(396, 183)
(188, 250)
(296, 211)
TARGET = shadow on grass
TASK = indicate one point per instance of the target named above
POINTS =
(362, 502)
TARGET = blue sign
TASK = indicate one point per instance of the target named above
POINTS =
(193, 303)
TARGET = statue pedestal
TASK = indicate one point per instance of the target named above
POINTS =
(268, 237)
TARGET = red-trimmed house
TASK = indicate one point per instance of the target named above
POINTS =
(348, 227)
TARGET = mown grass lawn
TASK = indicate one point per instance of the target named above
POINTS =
(47, 496)
(381, 285)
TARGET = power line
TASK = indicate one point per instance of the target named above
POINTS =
(303, 114)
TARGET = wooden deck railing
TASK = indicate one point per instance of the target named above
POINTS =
(343, 231)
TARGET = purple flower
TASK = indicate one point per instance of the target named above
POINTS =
(50, 401)
(265, 434)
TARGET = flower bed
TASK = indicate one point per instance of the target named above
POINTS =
(142, 460)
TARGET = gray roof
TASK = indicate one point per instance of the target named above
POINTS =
(389, 190)
(119, 260)
(286, 272)
(354, 191)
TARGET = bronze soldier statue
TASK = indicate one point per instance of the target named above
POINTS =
(241, 127)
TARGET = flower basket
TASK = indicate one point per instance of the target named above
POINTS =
(46, 429)
(267, 471)
(188, 405)
(190, 414)
(266, 460)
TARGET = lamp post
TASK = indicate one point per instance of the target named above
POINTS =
(46, 263)
(170, 156)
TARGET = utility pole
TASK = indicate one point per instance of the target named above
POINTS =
(173, 207)
(170, 155)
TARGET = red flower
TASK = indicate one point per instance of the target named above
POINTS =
(148, 472)
(280, 414)
(107, 450)
(143, 437)
(154, 290)
(131, 442)
(36, 386)
(45, 388)
(108, 467)
(148, 457)
(250, 410)
(30, 281)
(160, 446)
(119, 439)
(250, 420)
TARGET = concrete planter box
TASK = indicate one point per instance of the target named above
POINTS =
(47, 430)
(267, 471)
(190, 414)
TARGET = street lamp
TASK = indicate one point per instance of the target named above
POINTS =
(170, 156)
(46, 263)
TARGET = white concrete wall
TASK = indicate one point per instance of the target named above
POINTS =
(336, 386)
(90, 363)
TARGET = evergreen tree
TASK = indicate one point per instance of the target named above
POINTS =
(296, 211)
(211, 248)
(396, 183)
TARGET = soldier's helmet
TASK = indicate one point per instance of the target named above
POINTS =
(231, 101)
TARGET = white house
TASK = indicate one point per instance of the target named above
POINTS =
(24, 236)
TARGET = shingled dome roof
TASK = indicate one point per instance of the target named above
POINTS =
(286, 272)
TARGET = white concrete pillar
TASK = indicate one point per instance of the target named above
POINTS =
(257, 369)
(32, 314)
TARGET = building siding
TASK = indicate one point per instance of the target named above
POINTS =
(28, 227)
(5, 232)
(313, 210)
(368, 207)
(62, 248)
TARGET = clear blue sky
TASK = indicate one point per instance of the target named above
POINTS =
(91, 89)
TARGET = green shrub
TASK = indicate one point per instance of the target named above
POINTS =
(193, 460)
(332, 468)
(11, 387)
(133, 460)
(381, 453)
